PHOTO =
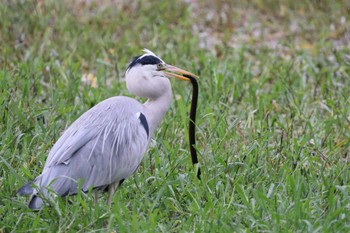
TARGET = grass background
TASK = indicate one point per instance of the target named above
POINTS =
(273, 121)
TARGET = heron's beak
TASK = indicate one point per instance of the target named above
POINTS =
(174, 72)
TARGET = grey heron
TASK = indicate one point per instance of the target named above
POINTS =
(106, 144)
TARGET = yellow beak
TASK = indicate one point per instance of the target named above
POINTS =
(174, 72)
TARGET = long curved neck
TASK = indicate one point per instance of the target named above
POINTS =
(156, 108)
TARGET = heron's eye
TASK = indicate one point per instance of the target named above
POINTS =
(160, 66)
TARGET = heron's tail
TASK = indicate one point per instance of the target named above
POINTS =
(26, 189)
(48, 185)
(35, 203)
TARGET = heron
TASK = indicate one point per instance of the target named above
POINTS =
(106, 144)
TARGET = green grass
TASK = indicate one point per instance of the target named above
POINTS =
(273, 126)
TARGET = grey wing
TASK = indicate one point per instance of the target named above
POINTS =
(116, 153)
(105, 145)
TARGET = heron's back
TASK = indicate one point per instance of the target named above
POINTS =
(103, 146)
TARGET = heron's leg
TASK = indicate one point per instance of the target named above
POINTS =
(111, 191)
(95, 198)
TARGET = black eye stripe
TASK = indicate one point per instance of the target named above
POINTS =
(145, 60)
(149, 60)
(133, 62)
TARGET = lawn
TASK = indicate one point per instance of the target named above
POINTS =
(273, 121)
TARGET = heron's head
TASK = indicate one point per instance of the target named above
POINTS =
(147, 75)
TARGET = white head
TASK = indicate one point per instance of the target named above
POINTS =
(147, 76)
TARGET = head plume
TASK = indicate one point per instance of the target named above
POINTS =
(149, 52)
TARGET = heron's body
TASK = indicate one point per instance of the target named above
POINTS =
(106, 144)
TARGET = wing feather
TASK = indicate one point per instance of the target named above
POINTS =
(105, 145)
(90, 125)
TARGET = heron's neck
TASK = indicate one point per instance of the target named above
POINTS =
(156, 108)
